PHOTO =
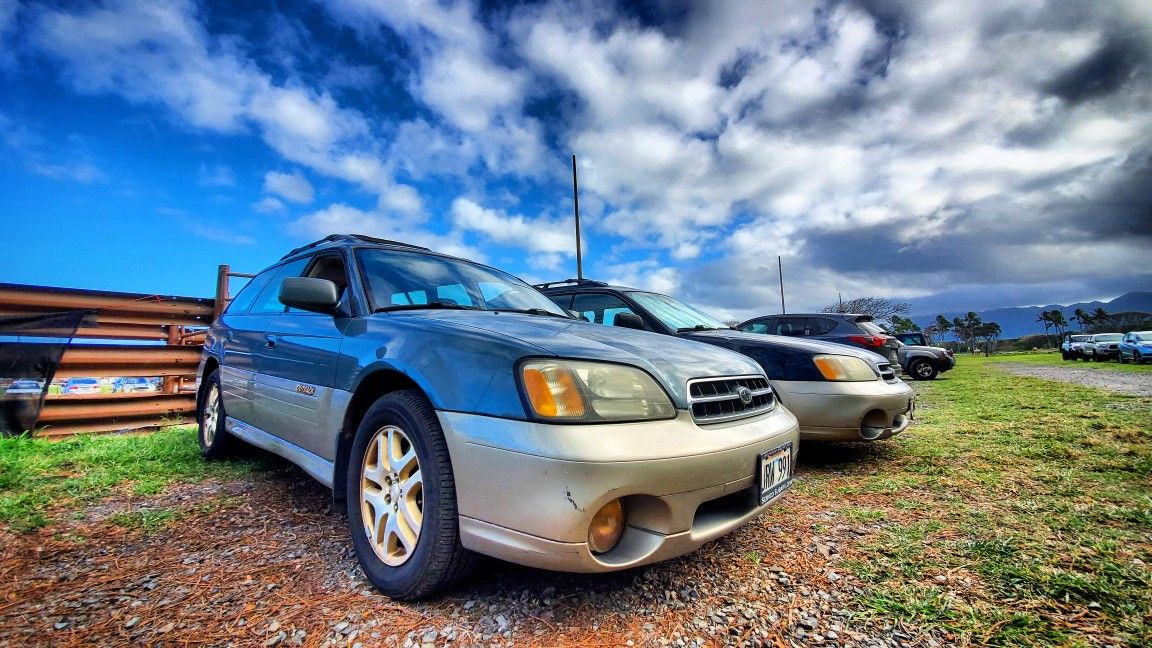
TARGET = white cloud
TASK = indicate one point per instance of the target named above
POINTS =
(340, 218)
(268, 205)
(219, 175)
(291, 186)
(538, 235)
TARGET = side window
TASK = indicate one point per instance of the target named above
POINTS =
(268, 302)
(755, 327)
(824, 326)
(793, 326)
(599, 308)
(243, 299)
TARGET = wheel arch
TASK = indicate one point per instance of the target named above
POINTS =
(210, 364)
(371, 388)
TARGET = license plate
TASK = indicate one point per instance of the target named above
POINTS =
(774, 471)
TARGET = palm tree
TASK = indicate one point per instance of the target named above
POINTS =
(1100, 318)
(1082, 317)
(1045, 318)
(1058, 321)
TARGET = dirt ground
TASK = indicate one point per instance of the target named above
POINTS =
(1121, 382)
(266, 562)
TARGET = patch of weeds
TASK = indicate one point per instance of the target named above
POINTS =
(753, 557)
(40, 477)
(146, 520)
(863, 515)
(930, 606)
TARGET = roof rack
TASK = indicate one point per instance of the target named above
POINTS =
(336, 238)
(568, 282)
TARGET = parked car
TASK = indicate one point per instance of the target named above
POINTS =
(1075, 349)
(912, 338)
(1105, 346)
(857, 330)
(1135, 346)
(80, 386)
(130, 385)
(455, 409)
(837, 392)
(925, 362)
(24, 387)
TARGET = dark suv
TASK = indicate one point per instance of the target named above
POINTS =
(845, 328)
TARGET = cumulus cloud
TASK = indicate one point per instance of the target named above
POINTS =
(219, 175)
(290, 186)
(539, 235)
(340, 218)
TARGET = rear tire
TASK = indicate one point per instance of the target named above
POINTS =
(922, 370)
(215, 441)
(1137, 358)
(401, 500)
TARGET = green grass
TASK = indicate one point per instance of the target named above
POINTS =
(1053, 359)
(41, 479)
(1038, 493)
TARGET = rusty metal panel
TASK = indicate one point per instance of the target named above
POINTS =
(72, 299)
(111, 407)
(111, 360)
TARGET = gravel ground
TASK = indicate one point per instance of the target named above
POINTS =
(266, 562)
(1121, 382)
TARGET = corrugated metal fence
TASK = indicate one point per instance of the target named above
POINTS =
(140, 335)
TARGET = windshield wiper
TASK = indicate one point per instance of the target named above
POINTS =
(433, 305)
(701, 327)
(531, 311)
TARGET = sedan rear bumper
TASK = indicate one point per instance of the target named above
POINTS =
(848, 411)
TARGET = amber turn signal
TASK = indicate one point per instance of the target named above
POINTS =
(607, 527)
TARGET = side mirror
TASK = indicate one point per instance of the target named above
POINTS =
(629, 320)
(310, 294)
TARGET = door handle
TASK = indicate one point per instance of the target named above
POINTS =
(228, 335)
(270, 341)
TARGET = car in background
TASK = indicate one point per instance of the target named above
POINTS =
(454, 409)
(911, 338)
(1075, 348)
(925, 362)
(24, 387)
(1135, 346)
(131, 385)
(836, 391)
(1106, 346)
(844, 328)
(80, 386)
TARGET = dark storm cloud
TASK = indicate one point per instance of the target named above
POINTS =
(1104, 72)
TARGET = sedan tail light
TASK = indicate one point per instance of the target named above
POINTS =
(869, 340)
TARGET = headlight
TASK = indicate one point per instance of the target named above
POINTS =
(588, 392)
(844, 368)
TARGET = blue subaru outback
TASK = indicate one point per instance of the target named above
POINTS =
(456, 410)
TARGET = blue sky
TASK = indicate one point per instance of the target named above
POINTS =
(957, 155)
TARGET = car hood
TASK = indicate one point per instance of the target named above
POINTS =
(812, 347)
(936, 351)
(671, 360)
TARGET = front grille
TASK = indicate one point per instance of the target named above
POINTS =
(886, 372)
(718, 399)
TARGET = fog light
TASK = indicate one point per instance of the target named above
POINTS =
(607, 527)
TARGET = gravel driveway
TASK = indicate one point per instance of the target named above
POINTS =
(1121, 382)
(265, 562)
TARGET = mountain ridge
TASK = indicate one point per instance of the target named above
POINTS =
(1016, 321)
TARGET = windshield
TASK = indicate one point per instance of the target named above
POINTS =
(1109, 337)
(397, 278)
(674, 314)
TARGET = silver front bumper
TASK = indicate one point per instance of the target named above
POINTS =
(527, 492)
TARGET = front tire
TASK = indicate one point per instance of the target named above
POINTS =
(215, 441)
(402, 510)
(922, 370)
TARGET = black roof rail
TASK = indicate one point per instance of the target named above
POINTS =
(567, 282)
(337, 238)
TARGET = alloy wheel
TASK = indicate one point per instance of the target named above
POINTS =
(391, 495)
(211, 415)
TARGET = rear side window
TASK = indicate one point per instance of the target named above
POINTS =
(268, 302)
(822, 325)
(600, 308)
(243, 300)
(755, 327)
(793, 326)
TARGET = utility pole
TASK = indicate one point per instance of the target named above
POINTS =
(780, 269)
(576, 211)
